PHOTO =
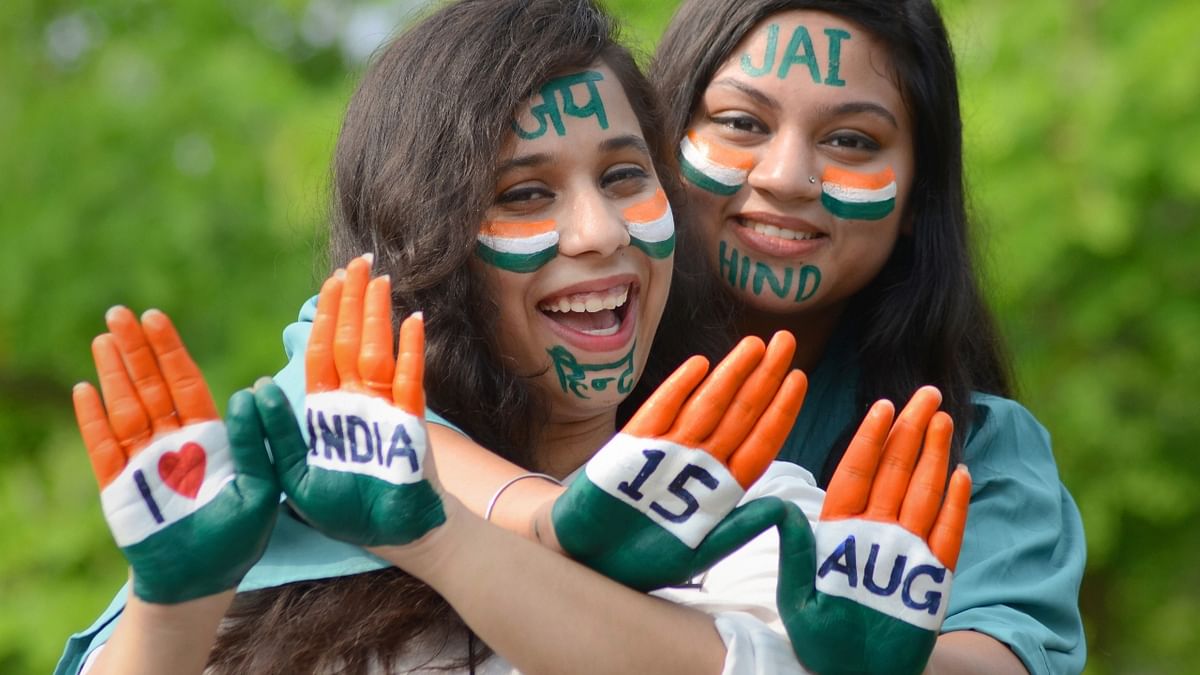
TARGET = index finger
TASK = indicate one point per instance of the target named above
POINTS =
(924, 494)
(707, 406)
(108, 459)
(900, 455)
(193, 401)
(347, 338)
(143, 369)
(752, 397)
(851, 483)
(319, 372)
(408, 389)
(654, 417)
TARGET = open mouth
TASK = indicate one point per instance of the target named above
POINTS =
(595, 313)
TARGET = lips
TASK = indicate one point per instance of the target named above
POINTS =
(777, 236)
(595, 316)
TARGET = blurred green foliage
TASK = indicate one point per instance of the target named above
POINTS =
(175, 155)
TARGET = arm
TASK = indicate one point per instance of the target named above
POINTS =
(569, 617)
(966, 652)
(189, 501)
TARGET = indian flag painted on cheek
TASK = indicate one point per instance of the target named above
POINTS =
(712, 166)
(518, 246)
(858, 196)
(652, 226)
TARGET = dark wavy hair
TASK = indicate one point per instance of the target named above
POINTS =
(923, 319)
(414, 173)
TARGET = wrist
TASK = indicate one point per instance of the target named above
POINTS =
(430, 553)
(541, 525)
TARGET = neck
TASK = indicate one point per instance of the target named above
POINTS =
(811, 328)
(566, 444)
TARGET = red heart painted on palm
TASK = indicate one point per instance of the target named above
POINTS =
(183, 470)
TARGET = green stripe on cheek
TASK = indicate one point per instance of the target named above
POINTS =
(701, 180)
(858, 211)
(515, 262)
(655, 249)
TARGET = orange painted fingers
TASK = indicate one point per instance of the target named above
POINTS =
(126, 416)
(752, 398)
(408, 388)
(850, 487)
(925, 490)
(705, 408)
(193, 400)
(654, 417)
(753, 456)
(376, 361)
(946, 538)
(108, 459)
(319, 372)
(143, 370)
(347, 337)
(900, 455)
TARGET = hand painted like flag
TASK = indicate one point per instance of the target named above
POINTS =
(656, 505)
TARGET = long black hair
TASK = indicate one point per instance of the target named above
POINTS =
(922, 320)
(414, 173)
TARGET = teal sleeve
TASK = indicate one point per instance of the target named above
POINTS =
(1023, 552)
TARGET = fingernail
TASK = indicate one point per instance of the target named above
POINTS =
(369, 257)
(262, 381)
(339, 273)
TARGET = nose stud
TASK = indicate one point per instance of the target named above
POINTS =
(812, 180)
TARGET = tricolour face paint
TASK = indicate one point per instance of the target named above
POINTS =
(712, 166)
(519, 246)
(858, 196)
(652, 226)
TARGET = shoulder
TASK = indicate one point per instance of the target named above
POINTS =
(1023, 552)
(1004, 435)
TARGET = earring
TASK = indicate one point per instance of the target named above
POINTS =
(812, 179)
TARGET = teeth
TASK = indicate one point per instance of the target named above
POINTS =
(780, 232)
(587, 302)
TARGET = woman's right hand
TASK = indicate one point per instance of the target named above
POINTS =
(655, 506)
(190, 503)
(366, 476)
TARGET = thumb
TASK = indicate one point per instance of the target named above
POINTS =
(282, 433)
(246, 441)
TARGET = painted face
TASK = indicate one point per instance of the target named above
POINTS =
(579, 244)
(800, 160)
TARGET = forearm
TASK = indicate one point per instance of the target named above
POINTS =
(546, 614)
(474, 474)
(967, 652)
(155, 639)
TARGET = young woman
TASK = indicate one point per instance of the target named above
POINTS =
(821, 142)
(821, 147)
(512, 186)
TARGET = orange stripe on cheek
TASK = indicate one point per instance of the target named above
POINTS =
(648, 211)
(722, 154)
(517, 229)
(854, 179)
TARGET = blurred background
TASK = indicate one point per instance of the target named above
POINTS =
(175, 155)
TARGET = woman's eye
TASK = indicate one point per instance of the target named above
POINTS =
(853, 142)
(740, 123)
(523, 194)
(622, 174)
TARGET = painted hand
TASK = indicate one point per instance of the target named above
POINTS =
(366, 475)
(655, 506)
(885, 548)
(190, 503)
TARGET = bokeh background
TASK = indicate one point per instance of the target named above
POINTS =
(175, 155)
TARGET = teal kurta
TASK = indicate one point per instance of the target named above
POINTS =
(1023, 552)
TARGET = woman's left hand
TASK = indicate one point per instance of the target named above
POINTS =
(367, 477)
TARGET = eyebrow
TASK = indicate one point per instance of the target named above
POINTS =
(857, 107)
(523, 161)
(758, 96)
(624, 142)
